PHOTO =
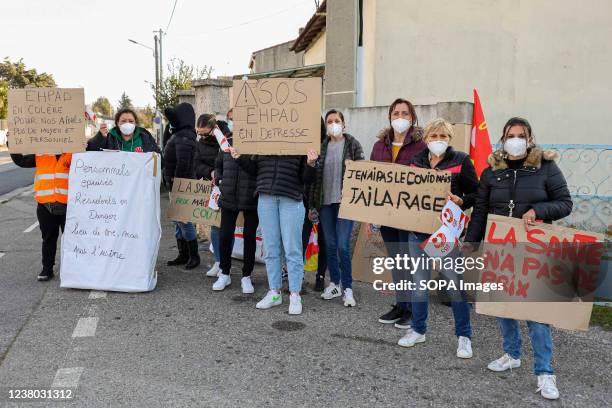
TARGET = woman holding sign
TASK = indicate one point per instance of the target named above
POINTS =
(206, 156)
(522, 181)
(464, 183)
(179, 155)
(126, 136)
(237, 195)
(325, 197)
(398, 143)
(280, 207)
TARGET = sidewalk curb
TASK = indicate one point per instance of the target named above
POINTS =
(9, 196)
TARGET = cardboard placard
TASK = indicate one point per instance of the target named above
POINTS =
(280, 116)
(539, 268)
(408, 198)
(189, 202)
(46, 120)
(369, 245)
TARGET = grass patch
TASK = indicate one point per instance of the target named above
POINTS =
(602, 316)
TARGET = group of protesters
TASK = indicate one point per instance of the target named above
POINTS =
(286, 195)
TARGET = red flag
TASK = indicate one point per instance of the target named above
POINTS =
(480, 145)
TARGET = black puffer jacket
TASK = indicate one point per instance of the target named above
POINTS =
(207, 150)
(99, 142)
(237, 185)
(279, 175)
(179, 153)
(538, 185)
(464, 182)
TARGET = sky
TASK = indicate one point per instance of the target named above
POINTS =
(84, 43)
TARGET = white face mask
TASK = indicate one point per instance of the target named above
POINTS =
(437, 147)
(230, 125)
(334, 129)
(515, 146)
(127, 128)
(400, 125)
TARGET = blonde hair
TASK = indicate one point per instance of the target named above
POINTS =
(437, 124)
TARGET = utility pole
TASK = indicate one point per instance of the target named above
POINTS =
(157, 83)
(159, 35)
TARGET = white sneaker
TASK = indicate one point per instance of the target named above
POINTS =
(247, 286)
(222, 282)
(547, 386)
(331, 291)
(411, 338)
(272, 298)
(295, 304)
(504, 363)
(464, 349)
(214, 271)
(348, 298)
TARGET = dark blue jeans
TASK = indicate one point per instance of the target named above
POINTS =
(337, 233)
(420, 298)
(541, 343)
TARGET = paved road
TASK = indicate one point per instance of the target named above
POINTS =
(12, 176)
(185, 345)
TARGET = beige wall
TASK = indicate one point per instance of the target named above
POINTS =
(549, 61)
(277, 58)
(315, 54)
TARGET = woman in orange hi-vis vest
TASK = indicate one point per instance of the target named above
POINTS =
(51, 193)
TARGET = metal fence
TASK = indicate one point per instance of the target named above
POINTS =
(587, 169)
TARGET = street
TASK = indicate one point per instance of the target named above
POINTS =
(183, 344)
(12, 176)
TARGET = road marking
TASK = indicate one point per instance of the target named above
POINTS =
(67, 377)
(94, 294)
(86, 327)
(30, 228)
(2, 254)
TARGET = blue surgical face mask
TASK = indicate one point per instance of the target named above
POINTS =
(230, 125)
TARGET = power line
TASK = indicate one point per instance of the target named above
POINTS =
(171, 15)
(247, 22)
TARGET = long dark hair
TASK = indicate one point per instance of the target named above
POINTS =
(516, 121)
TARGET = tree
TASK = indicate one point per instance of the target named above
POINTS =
(102, 106)
(125, 102)
(15, 75)
(180, 76)
(145, 115)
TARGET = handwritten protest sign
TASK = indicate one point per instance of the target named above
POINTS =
(46, 120)
(113, 225)
(189, 201)
(277, 115)
(549, 273)
(446, 238)
(403, 197)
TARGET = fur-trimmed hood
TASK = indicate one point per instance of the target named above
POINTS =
(416, 133)
(534, 158)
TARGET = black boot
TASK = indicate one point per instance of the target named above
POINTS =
(183, 255)
(194, 254)
(45, 275)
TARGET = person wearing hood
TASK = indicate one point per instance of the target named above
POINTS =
(179, 157)
(440, 156)
(324, 201)
(398, 144)
(522, 181)
(126, 136)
